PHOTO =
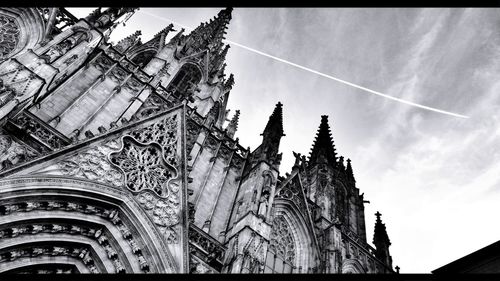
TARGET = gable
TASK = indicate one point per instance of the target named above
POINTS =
(146, 160)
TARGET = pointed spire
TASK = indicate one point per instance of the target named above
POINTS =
(380, 233)
(350, 173)
(219, 59)
(341, 163)
(232, 127)
(275, 124)
(210, 34)
(229, 82)
(128, 42)
(323, 146)
(381, 241)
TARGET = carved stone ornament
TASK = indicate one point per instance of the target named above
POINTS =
(9, 36)
(144, 166)
(153, 104)
(93, 165)
(291, 192)
(12, 153)
(282, 242)
(92, 232)
(163, 132)
(165, 213)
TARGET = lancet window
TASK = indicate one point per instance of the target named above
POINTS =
(185, 81)
(281, 254)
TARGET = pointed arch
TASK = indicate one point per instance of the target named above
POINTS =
(287, 214)
(20, 29)
(352, 266)
(143, 57)
(78, 221)
(188, 76)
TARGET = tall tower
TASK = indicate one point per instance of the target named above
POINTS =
(273, 132)
(381, 241)
(192, 66)
(250, 223)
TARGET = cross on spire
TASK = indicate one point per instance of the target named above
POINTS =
(275, 124)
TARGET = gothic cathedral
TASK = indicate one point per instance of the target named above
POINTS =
(117, 158)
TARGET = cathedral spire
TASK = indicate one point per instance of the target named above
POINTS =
(274, 127)
(323, 149)
(210, 34)
(219, 59)
(233, 124)
(350, 173)
(381, 241)
(272, 134)
(229, 82)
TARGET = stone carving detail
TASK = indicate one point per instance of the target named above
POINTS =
(164, 133)
(117, 74)
(93, 165)
(103, 63)
(33, 127)
(225, 153)
(143, 166)
(97, 234)
(153, 104)
(133, 84)
(165, 213)
(6, 93)
(282, 242)
(211, 143)
(12, 153)
(291, 192)
(192, 132)
(9, 36)
(237, 162)
(211, 248)
(196, 117)
(82, 253)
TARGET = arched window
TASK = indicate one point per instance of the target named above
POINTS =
(281, 254)
(340, 207)
(143, 58)
(186, 78)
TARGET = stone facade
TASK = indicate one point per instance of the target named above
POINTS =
(119, 159)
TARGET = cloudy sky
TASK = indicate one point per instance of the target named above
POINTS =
(434, 177)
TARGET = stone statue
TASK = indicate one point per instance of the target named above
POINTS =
(263, 204)
(297, 159)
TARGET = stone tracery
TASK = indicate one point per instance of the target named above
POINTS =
(9, 35)
(282, 241)
(143, 166)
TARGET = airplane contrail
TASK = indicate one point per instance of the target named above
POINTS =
(320, 73)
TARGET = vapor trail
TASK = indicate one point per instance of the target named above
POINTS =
(321, 74)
